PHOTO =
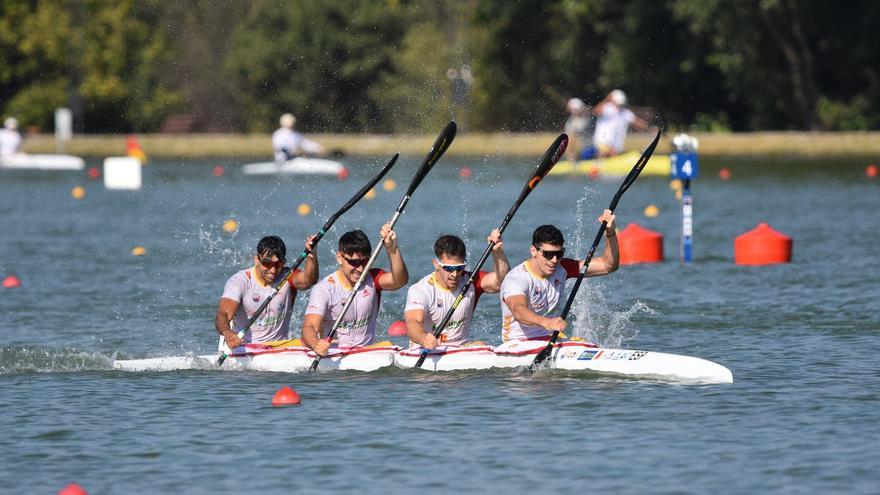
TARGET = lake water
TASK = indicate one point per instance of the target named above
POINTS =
(801, 339)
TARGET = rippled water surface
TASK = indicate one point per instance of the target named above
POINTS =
(801, 340)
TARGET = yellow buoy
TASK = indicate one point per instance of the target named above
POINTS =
(138, 251)
(78, 192)
(303, 209)
(389, 184)
(652, 211)
(678, 195)
(370, 194)
(230, 226)
(675, 184)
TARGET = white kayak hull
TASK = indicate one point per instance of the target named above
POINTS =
(568, 355)
(26, 161)
(299, 165)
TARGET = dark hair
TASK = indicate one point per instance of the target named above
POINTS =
(450, 245)
(355, 242)
(271, 245)
(547, 234)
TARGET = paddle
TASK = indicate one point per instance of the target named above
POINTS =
(551, 156)
(302, 256)
(628, 181)
(440, 145)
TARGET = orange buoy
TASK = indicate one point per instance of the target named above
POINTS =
(871, 171)
(342, 174)
(397, 329)
(762, 246)
(11, 282)
(285, 396)
(73, 489)
(640, 245)
(465, 172)
(724, 173)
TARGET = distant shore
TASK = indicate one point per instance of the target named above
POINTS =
(758, 144)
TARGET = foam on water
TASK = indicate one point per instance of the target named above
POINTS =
(43, 360)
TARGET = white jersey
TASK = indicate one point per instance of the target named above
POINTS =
(288, 144)
(542, 295)
(274, 322)
(359, 324)
(10, 142)
(612, 124)
(435, 300)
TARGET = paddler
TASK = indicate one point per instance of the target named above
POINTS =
(613, 120)
(289, 144)
(10, 139)
(245, 291)
(328, 297)
(435, 293)
(533, 293)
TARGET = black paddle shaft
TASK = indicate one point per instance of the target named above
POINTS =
(440, 146)
(627, 182)
(276, 287)
(547, 161)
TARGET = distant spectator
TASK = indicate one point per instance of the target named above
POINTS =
(10, 139)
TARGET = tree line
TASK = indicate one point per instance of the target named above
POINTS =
(402, 66)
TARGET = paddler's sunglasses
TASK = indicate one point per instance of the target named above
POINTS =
(451, 268)
(268, 263)
(549, 255)
(356, 262)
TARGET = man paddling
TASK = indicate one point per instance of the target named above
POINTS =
(434, 294)
(289, 144)
(328, 297)
(245, 291)
(532, 291)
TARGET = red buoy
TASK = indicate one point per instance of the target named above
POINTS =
(871, 171)
(218, 171)
(342, 174)
(285, 396)
(73, 489)
(94, 173)
(11, 282)
(465, 172)
(724, 173)
(640, 245)
(397, 329)
(762, 246)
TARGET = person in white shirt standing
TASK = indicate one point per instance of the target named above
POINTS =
(613, 120)
(532, 291)
(429, 299)
(10, 139)
(289, 144)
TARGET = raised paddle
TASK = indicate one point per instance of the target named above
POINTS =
(443, 141)
(302, 256)
(551, 156)
(628, 181)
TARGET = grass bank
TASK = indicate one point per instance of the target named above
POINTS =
(758, 144)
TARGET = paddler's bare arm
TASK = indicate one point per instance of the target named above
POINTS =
(491, 283)
(311, 334)
(306, 279)
(398, 276)
(525, 316)
(415, 330)
(222, 322)
(609, 261)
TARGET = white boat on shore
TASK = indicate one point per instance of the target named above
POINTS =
(574, 356)
(298, 165)
(27, 161)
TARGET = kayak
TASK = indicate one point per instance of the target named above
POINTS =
(298, 165)
(613, 166)
(42, 162)
(292, 357)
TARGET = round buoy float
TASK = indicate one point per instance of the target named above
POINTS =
(371, 194)
(94, 173)
(389, 185)
(303, 209)
(640, 245)
(397, 329)
(218, 171)
(285, 396)
(230, 226)
(138, 251)
(594, 173)
(465, 172)
(724, 173)
(871, 171)
(652, 211)
(78, 192)
(675, 185)
(73, 489)
(342, 174)
(11, 282)
(762, 246)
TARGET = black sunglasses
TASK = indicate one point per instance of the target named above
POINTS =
(267, 262)
(356, 262)
(549, 255)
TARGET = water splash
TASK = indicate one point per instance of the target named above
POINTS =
(42, 360)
